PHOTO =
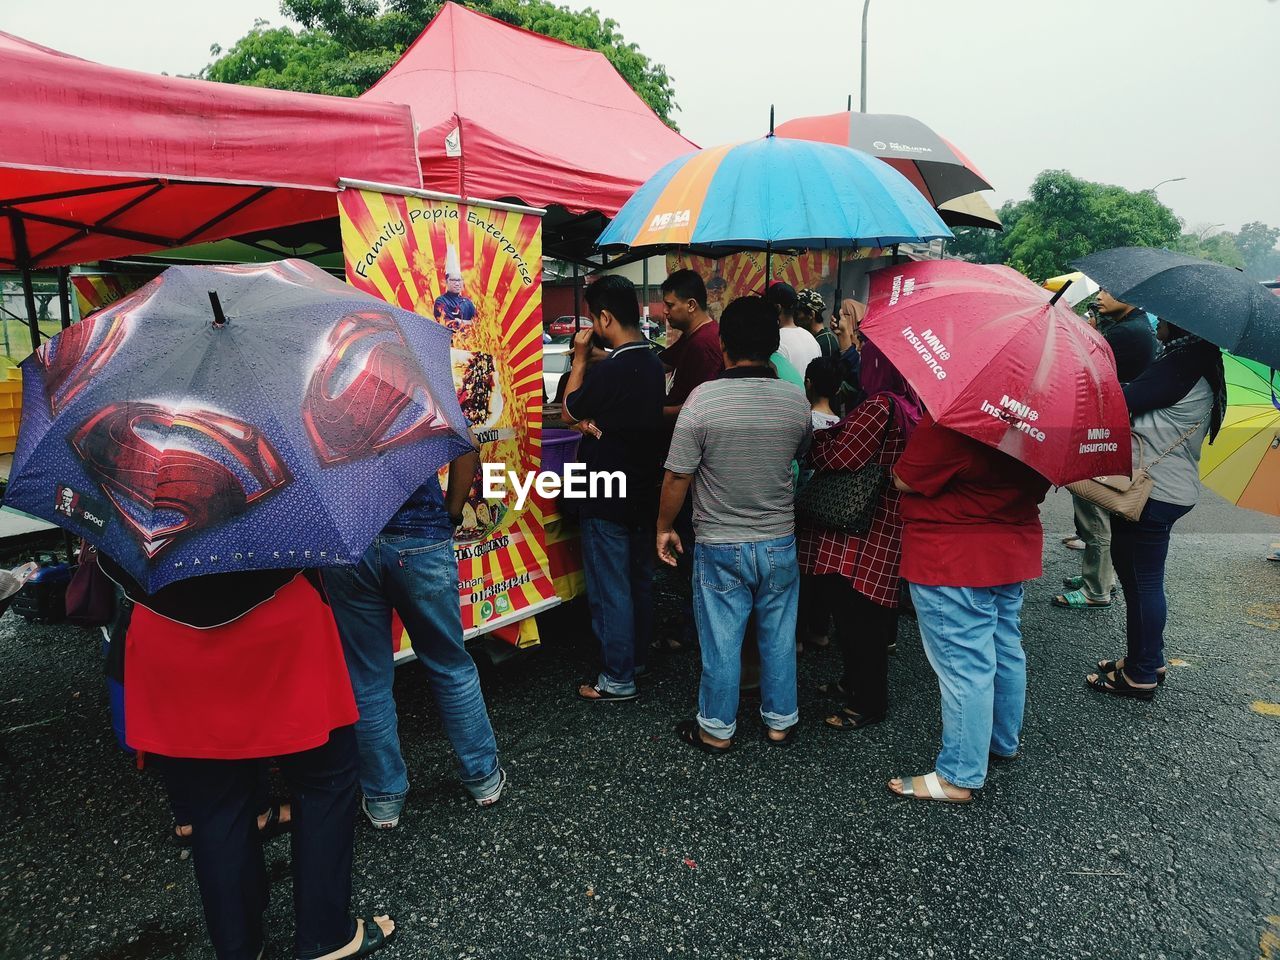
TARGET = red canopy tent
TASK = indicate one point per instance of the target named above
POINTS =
(506, 114)
(100, 162)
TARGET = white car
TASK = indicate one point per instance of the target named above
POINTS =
(556, 359)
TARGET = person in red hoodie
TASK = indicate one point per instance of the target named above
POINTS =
(220, 672)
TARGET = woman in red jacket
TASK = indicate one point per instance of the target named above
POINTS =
(221, 671)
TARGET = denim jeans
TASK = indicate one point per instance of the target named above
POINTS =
(730, 582)
(1139, 551)
(618, 562)
(419, 580)
(973, 639)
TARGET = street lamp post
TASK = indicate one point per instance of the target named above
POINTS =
(865, 7)
(1158, 185)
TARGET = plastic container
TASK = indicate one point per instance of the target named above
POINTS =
(43, 598)
(558, 448)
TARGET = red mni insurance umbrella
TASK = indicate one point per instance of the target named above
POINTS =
(994, 357)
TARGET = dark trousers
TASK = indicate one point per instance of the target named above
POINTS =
(231, 873)
(864, 630)
(814, 618)
(261, 793)
(618, 562)
(1139, 551)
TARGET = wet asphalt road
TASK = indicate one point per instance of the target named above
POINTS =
(1127, 830)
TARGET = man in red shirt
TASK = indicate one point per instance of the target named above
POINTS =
(692, 360)
(971, 535)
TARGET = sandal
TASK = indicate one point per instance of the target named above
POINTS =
(847, 720)
(1111, 666)
(603, 695)
(789, 735)
(274, 826)
(934, 788)
(688, 732)
(368, 939)
(1077, 583)
(1117, 685)
(833, 689)
(1076, 600)
(179, 840)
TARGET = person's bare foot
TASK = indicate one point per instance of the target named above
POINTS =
(286, 814)
(920, 790)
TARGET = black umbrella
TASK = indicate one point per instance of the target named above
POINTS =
(1215, 302)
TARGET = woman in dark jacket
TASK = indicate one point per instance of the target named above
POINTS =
(1174, 405)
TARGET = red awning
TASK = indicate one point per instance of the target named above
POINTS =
(537, 120)
(99, 162)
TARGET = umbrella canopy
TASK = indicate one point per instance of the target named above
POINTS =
(1215, 302)
(992, 357)
(931, 162)
(1081, 288)
(971, 210)
(286, 436)
(774, 194)
(1243, 463)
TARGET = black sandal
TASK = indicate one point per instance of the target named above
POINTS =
(372, 938)
(274, 826)
(833, 689)
(788, 735)
(847, 720)
(688, 732)
(1111, 666)
(1118, 685)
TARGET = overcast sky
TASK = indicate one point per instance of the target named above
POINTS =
(1130, 92)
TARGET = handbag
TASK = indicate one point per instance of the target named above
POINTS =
(1126, 496)
(91, 596)
(845, 500)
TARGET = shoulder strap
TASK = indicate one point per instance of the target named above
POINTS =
(1182, 439)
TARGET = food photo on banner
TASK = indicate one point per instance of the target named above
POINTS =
(475, 270)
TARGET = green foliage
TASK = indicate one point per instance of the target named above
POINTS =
(1218, 247)
(1257, 243)
(344, 46)
(1066, 218)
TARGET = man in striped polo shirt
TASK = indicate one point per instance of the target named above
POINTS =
(734, 441)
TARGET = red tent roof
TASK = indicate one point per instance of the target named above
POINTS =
(540, 120)
(99, 162)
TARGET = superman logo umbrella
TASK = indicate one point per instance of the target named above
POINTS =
(994, 357)
(223, 419)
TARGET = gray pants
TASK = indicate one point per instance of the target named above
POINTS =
(1093, 524)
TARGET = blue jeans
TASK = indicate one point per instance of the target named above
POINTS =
(618, 562)
(973, 639)
(730, 581)
(1139, 551)
(419, 580)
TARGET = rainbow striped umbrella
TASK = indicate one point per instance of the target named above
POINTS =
(774, 193)
(1243, 463)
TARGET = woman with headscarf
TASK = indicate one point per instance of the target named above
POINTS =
(1174, 405)
(861, 573)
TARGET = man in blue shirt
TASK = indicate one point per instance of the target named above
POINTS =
(410, 568)
(619, 401)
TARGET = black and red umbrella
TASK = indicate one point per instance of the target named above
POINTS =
(933, 164)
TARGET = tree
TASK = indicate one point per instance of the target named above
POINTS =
(344, 46)
(1066, 218)
(1257, 243)
(1204, 243)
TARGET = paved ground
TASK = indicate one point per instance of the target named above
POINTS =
(1127, 831)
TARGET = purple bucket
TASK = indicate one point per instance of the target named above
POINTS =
(558, 448)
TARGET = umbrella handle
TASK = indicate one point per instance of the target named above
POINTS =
(219, 318)
(1061, 290)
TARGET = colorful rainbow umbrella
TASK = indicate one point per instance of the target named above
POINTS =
(1243, 463)
(774, 193)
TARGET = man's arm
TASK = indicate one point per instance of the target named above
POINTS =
(675, 487)
(578, 370)
(462, 472)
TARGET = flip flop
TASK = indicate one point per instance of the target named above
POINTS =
(1076, 600)
(847, 720)
(1077, 583)
(687, 732)
(605, 695)
(934, 788)
(786, 741)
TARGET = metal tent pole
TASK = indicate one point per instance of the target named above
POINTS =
(22, 254)
(64, 296)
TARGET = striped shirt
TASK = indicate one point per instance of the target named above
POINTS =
(737, 436)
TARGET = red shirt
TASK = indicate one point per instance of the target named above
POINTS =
(869, 562)
(270, 683)
(973, 519)
(696, 358)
